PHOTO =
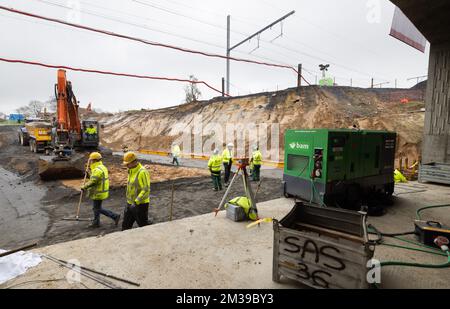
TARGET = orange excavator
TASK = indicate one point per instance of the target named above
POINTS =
(70, 136)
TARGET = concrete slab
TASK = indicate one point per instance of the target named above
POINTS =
(208, 252)
(199, 252)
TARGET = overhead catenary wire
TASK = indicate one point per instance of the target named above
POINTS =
(123, 36)
(164, 9)
(51, 66)
(145, 27)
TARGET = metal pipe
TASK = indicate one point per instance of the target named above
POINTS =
(18, 250)
(101, 273)
(84, 273)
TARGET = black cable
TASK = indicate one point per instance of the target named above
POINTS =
(381, 235)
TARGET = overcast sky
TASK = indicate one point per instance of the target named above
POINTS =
(352, 35)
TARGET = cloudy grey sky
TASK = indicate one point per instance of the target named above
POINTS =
(352, 35)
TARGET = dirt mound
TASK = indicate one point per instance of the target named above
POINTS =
(306, 107)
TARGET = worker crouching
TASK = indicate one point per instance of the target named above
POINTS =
(215, 167)
(138, 193)
(98, 188)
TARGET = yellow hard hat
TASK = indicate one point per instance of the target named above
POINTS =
(95, 156)
(129, 157)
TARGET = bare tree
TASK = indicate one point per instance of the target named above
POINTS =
(192, 91)
(51, 104)
(32, 109)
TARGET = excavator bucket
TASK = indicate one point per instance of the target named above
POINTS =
(54, 168)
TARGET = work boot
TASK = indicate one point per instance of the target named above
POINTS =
(94, 226)
(116, 221)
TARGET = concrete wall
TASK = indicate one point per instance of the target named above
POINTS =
(436, 146)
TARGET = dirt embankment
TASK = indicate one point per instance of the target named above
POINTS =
(307, 107)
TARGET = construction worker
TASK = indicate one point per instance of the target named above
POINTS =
(98, 188)
(91, 132)
(256, 162)
(399, 177)
(227, 157)
(215, 167)
(138, 193)
(176, 151)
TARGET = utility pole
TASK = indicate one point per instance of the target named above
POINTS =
(256, 34)
(395, 83)
(223, 86)
(371, 84)
(299, 82)
(351, 82)
(228, 52)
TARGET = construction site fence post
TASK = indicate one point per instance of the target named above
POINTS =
(299, 79)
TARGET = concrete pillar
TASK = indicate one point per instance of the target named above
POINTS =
(436, 145)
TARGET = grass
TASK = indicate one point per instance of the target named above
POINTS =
(10, 123)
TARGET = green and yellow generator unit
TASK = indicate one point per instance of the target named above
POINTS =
(339, 167)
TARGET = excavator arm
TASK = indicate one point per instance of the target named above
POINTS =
(67, 106)
(63, 162)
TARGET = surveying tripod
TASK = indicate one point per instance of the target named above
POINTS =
(242, 171)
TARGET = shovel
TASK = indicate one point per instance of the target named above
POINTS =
(77, 217)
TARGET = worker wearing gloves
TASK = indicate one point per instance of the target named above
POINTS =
(256, 162)
(215, 167)
(176, 151)
(98, 188)
(138, 193)
(227, 157)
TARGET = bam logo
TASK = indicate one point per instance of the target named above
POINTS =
(299, 146)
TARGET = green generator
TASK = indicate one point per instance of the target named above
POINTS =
(342, 168)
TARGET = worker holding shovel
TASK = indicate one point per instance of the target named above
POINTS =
(98, 188)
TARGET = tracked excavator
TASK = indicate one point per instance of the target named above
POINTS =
(70, 136)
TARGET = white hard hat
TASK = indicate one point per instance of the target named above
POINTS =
(255, 147)
(216, 152)
(230, 145)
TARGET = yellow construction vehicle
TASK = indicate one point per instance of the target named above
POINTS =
(36, 133)
(39, 136)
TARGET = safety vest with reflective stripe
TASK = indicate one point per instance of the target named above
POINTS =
(99, 182)
(227, 156)
(257, 158)
(138, 187)
(215, 163)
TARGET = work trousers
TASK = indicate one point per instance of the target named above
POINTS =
(217, 181)
(99, 210)
(175, 160)
(256, 172)
(227, 169)
(138, 213)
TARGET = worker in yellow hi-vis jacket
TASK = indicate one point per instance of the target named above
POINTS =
(215, 167)
(138, 193)
(98, 188)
